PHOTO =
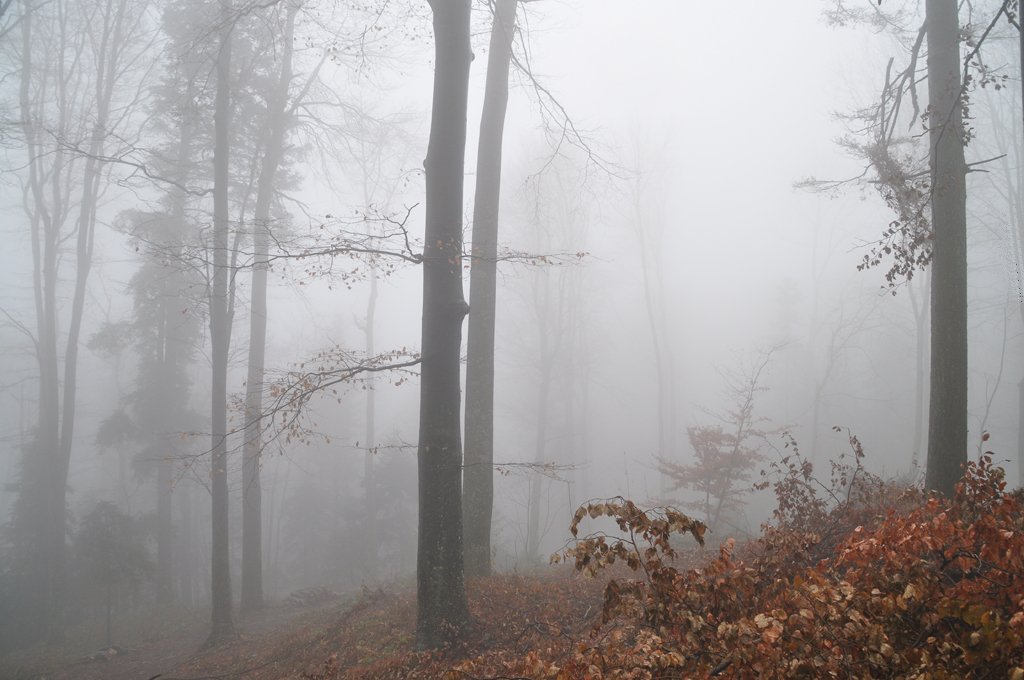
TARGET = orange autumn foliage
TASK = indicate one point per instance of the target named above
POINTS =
(933, 591)
(918, 588)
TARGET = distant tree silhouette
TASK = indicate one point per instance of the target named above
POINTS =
(110, 551)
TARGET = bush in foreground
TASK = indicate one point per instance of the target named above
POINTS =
(917, 588)
(932, 589)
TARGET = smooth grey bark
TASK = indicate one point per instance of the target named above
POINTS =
(947, 412)
(252, 504)
(222, 617)
(442, 610)
(478, 475)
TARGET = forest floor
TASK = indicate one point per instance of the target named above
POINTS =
(893, 583)
(172, 646)
(371, 635)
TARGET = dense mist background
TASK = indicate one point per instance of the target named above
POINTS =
(662, 256)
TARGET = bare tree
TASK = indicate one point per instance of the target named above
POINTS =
(222, 617)
(280, 109)
(442, 612)
(555, 303)
(478, 478)
(81, 67)
(726, 455)
(1009, 184)
(914, 241)
(947, 410)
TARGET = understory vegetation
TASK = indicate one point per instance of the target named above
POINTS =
(856, 577)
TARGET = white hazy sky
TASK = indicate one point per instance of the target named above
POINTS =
(737, 99)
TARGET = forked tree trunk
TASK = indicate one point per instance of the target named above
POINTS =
(478, 478)
(60, 84)
(947, 413)
(442, 612)
(252, 503)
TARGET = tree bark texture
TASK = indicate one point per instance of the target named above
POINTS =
(441, 597)
(947, 413)
(478, 477)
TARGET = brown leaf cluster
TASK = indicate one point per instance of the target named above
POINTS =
(919, 588)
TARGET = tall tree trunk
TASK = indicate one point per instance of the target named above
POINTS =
(1020, 433)
(369, 482)
(947, 413)
(164, 531)
(174, 348)
(167, 348)
(1020, 253)
(64, 86)
(42, 478)
(222, 617)
(109, 599)
(550, 322)
(185, 547)
(442, 611)
(920, 309)
(539, 453)
(252, 505)
(478, 478)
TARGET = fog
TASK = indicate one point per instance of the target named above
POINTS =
(669, 246)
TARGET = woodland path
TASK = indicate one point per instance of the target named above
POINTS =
(271, 643)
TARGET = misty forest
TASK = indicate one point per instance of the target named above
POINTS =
(478, 339)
